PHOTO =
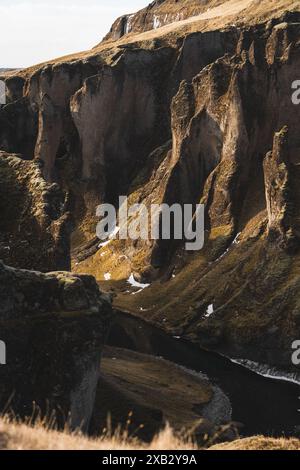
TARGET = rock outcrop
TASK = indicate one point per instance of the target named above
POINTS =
(157, 14)
(36, 222)
(53, 327)
(281, 202)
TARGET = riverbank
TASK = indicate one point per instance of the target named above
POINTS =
(251, 395)
(143, 393)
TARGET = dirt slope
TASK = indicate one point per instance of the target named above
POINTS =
(150, 392)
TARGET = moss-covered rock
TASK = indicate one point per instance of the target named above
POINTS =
(53, 326)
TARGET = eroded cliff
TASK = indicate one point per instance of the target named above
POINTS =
(194, 111)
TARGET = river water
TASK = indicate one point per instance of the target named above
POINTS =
(263, 405)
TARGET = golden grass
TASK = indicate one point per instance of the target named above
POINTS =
(260, 443)
(20, 436)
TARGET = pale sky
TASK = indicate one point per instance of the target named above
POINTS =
(34, 31)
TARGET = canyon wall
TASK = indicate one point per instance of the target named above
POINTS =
(187, 117)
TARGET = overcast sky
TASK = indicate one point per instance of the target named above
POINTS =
(33, 31)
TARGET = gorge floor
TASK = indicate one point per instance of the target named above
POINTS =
(263, 405)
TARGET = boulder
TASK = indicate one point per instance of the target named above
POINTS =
(53, 327)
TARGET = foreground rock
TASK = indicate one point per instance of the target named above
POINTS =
(54, 326)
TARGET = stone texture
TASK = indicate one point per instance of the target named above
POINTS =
(157, 14)
(36, 223)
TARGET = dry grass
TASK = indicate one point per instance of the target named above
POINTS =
(17, 436)
(260, 443)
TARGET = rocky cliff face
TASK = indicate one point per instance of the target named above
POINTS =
(157, 14)
(53, 326)
(36, 222)
(200, 113)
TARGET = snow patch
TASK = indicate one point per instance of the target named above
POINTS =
(128, 26)
(209, 311)
(102, 245)
(110, 237)
(137, 292)
(235, 242)
(156, 22)
(131, 280)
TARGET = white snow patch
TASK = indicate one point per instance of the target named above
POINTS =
(156, 22)
(103, 244)
(128, 26)
(110, 237)
(131, 280)
(137, 292)
(235, 242)
(209, 311)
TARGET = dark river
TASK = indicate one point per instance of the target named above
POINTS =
(264, 406)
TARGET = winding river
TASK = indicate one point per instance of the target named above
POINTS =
(263, 405)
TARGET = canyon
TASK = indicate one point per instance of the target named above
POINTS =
(183, 102)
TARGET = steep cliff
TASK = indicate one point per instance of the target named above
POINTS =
(198, 110)
(36, 222)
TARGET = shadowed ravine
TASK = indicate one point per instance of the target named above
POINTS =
(262, 405)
